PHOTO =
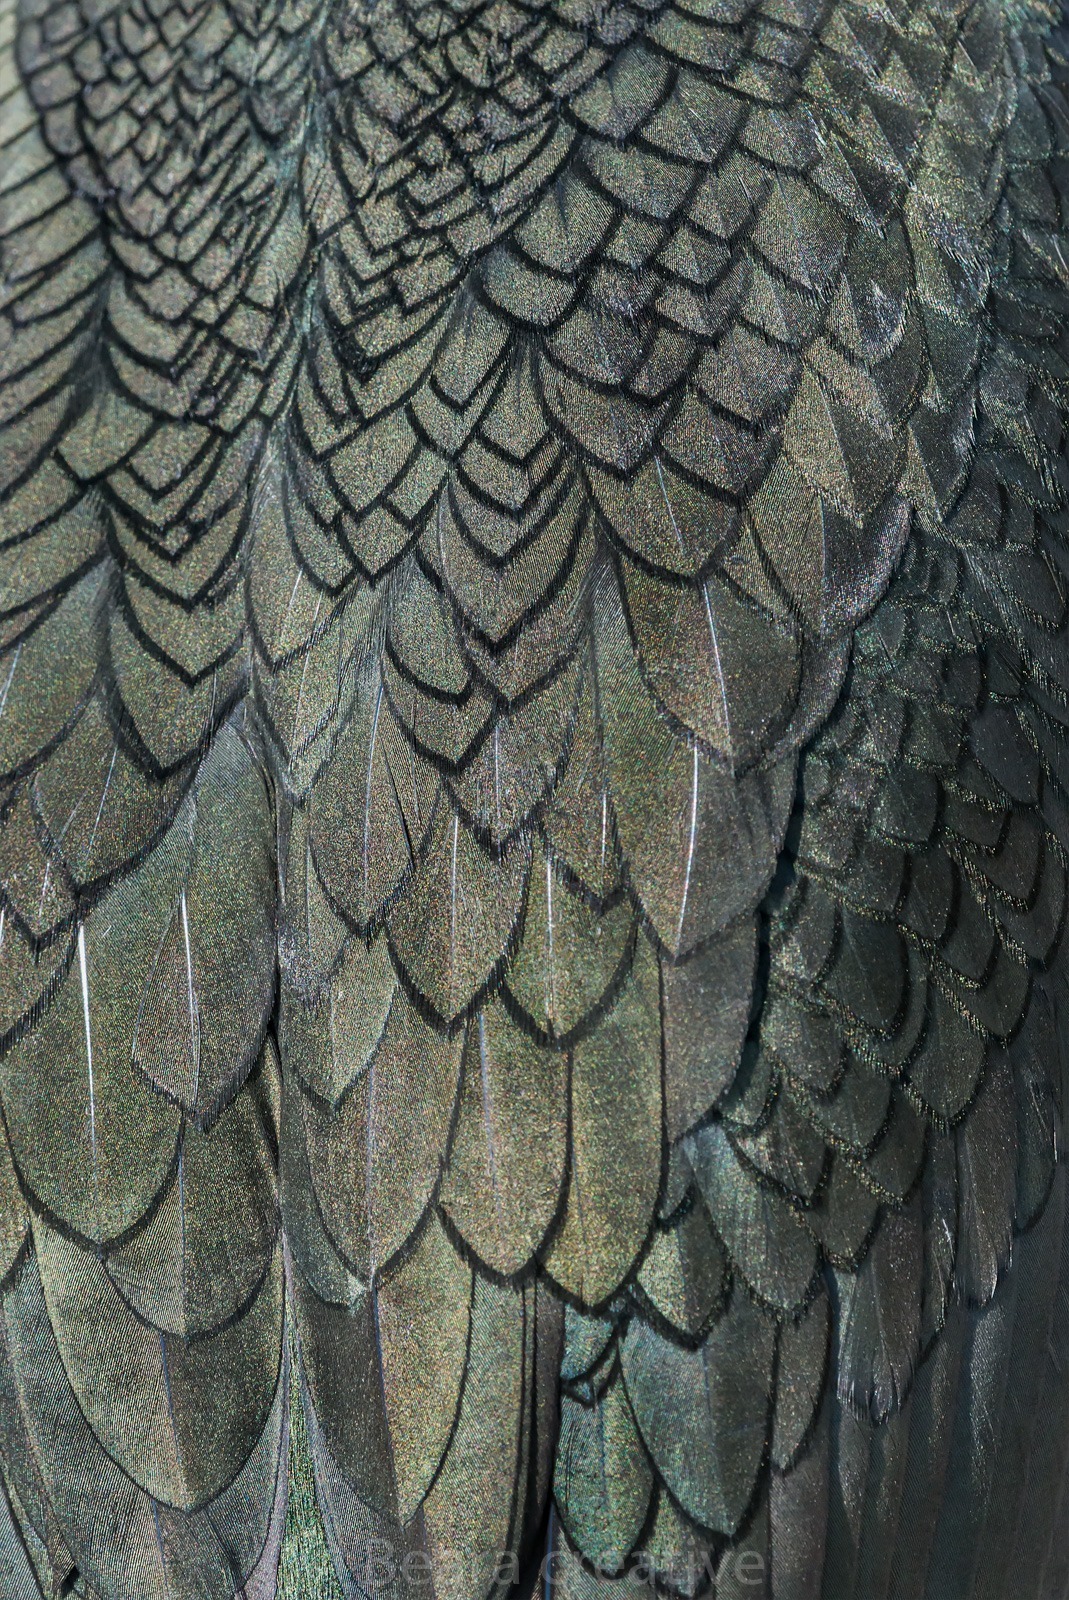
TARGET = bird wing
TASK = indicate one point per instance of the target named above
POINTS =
(533, 723)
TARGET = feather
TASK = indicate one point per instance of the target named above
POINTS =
(939, 1202)
(1040, 1548)
(705, 1426)
(465, 1513)
(579, 826)
(744, 1566)
(675, 1551)
(332, 1043)
(96, 806)
(304, 1560)
(881, 1529)
(616, 1126)
(512, 1092)
(706, 1014)
(195, 1037)
(892, 1169)
(761, 1230)
(851, 1444)
(844, 1217)
(588, 1341)
(801, 1366)
(720, 851)
(879, 1317)
(312, 1252)
(103, 1152)
(571, 959)
(972, 1467)
(788, 1150)
(20, 1580)
(35, 895)
(423, 1305)
(376, 1161)
(513, 772)
(684, 1276)
(712, 665)
(14, 1218)
(1036, 1091)
(948, 1068)
(311, 934)
(798, 1514)
(162, 1407)
(987, 1161)
(856, 1113)
(603, 1481)
(565, 1573)
(1031, 1305)
(62, 639)
(362, 854)
(338, 1356)
(178, 1272)
(157, 1545)
(930, 1407)
(450, 933)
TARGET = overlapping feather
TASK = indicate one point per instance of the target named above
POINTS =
(533, 835)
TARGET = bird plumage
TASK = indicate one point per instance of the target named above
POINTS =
(534, 741)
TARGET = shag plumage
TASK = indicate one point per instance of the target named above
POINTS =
(534, 799)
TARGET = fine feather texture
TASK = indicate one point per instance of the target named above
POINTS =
(534, 799)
